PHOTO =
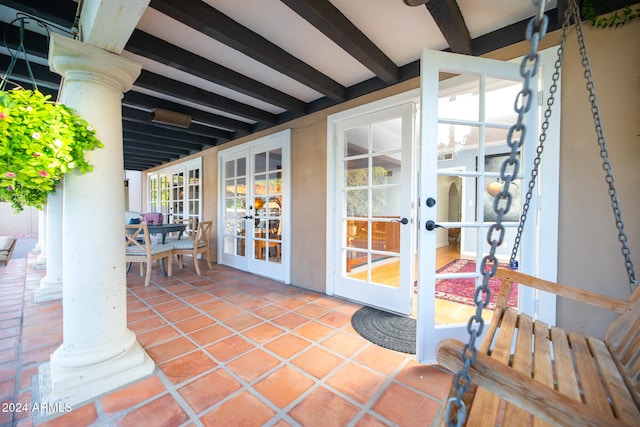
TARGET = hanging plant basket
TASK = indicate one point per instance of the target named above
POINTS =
(40, 141)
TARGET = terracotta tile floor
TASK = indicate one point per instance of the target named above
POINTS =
(231, 348)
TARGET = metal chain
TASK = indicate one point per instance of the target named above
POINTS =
(541, 139)
(14, 58)
(536, 29)
(626, 252)
(502, 202)
(606, 164)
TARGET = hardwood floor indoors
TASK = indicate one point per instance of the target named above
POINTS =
(447, 312)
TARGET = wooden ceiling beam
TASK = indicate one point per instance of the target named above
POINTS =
(141, 100)
(204, 18)
(449, 19)
(131, 165)
(154, 146)
(59, 12)
(511, 34)
(146, 45)
(41, 73)
(179, 90)
(149, 155)
(328, 19)
(190, 141)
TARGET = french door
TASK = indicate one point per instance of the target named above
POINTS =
(467, 110)
(254, 202)
(175, 192)
(374, 222)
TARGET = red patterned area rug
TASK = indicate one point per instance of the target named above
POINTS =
(461, 290)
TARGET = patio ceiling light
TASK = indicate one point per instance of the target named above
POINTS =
(415, 2)
(160, 115)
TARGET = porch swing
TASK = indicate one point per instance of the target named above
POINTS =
(525, 372)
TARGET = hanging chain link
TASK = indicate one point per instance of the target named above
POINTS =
(529, 66)
(528, 69)
(606, 164)
(542, 138)
(572, 10)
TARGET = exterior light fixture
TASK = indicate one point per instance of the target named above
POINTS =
(160, 115)
(415, 2)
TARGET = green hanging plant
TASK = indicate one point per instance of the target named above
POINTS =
(616, 19)
(40, 141)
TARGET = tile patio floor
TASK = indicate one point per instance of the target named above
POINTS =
(231, 349)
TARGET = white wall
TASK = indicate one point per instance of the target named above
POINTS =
(12, 224)
(135, 190)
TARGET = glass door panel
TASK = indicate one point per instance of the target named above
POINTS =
(256, 194)
(267, 190)
(175, 192)
(165, 194)
(154, 203)
(464, 145)
(177, 196)
(236, 209)
(193, 193)
(375, 209)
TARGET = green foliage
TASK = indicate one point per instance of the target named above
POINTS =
(358, 200)
(40, 141)
(617, 19)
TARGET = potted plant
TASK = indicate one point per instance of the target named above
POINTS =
(40, 141)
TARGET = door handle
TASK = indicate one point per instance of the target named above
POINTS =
(248, 217)
(404, 221)
(431, 225)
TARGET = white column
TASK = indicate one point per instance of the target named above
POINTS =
(98, 353)
(51, 284)
(37, 249)
(41, 259)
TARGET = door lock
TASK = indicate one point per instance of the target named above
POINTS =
(248, 217)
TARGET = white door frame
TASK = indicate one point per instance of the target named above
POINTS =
(540, 304)
(333, 224)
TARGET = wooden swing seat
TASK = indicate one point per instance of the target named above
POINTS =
(552, 377)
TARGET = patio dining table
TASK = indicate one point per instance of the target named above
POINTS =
(164, 229)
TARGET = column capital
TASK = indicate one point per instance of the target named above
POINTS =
(75, 60)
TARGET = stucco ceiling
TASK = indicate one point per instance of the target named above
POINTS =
(240, 66)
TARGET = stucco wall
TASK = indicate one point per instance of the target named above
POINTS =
(210, 196)
(589, 252)
(309, 205)
(308, 189)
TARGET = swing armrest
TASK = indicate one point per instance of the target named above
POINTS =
(509, 276)
(523, 391)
